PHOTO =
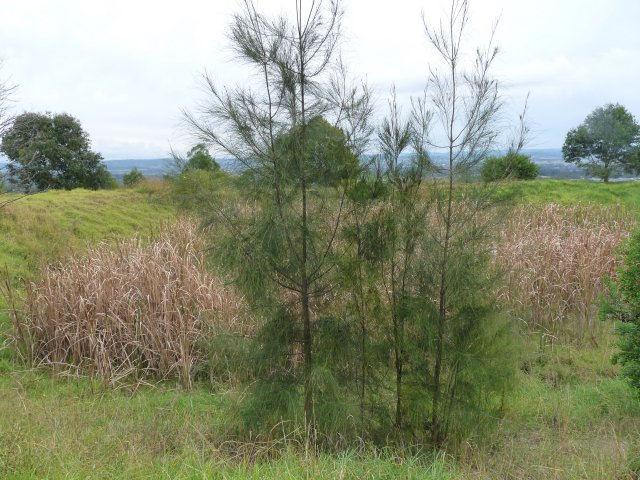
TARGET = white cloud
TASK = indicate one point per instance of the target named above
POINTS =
(126, 68)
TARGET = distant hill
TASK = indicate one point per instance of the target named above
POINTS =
(150, 167)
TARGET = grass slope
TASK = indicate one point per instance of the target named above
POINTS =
(47, 226)
(570, 192)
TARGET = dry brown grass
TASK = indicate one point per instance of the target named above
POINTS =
(132, 311)
(555, 258)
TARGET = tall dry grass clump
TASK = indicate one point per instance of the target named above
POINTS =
(134, 310)
(555, 258)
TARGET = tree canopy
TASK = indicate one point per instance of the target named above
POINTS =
(52, 152)
(199, 158)
(329, 159)
(606, 142)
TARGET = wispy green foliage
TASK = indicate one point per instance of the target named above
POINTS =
(467, 365)
(281, 247)
(623, 304)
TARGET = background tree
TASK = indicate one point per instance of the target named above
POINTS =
(52, 151)
(199, 158)
(284, 245)
(132, 178)
(606, 142)
(330, 159)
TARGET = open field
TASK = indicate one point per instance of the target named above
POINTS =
(569, 416)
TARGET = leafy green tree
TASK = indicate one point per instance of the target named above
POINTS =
(199, 158)
(52, 151)
(606, 142)
(514, 166)
(132, 178)
(330, 159)
(282, 248)
(623, 305)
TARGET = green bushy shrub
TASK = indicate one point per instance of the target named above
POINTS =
(623, 305)
(132, 178)
(512, 165)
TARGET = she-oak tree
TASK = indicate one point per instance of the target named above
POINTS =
(286, 243)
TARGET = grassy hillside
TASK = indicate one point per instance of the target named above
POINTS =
(569, 416)
(47, 226)
(570, 192)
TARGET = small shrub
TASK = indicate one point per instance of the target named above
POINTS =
(623, 304)
(510, 166)
(134, 177)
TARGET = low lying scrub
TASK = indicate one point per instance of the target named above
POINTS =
(135, 310)
(555, 258)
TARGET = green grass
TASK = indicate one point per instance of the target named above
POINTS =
(56, 427)
(47, 226)
(570, 192)
(570, 417)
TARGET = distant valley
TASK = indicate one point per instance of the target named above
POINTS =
(549, 159)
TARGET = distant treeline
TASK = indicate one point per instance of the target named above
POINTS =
(549, 160)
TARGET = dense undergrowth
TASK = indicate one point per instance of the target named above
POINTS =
(569, 415)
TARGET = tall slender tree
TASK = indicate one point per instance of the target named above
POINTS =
(456, 272)
(403, 224)
(286, 240)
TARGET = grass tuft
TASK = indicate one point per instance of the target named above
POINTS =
(135, 310)
(556, 258)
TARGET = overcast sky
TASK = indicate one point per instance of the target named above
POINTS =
(126, 68)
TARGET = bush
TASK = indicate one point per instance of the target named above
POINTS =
(623, 305)
(132, 178)
(512, 165)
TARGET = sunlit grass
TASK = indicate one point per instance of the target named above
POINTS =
(46, 226)
(625, 195)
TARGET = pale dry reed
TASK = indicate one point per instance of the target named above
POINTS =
(555, 259)
(131, 311)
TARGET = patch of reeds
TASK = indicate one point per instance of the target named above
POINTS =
(555, 259)
(135, 310)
